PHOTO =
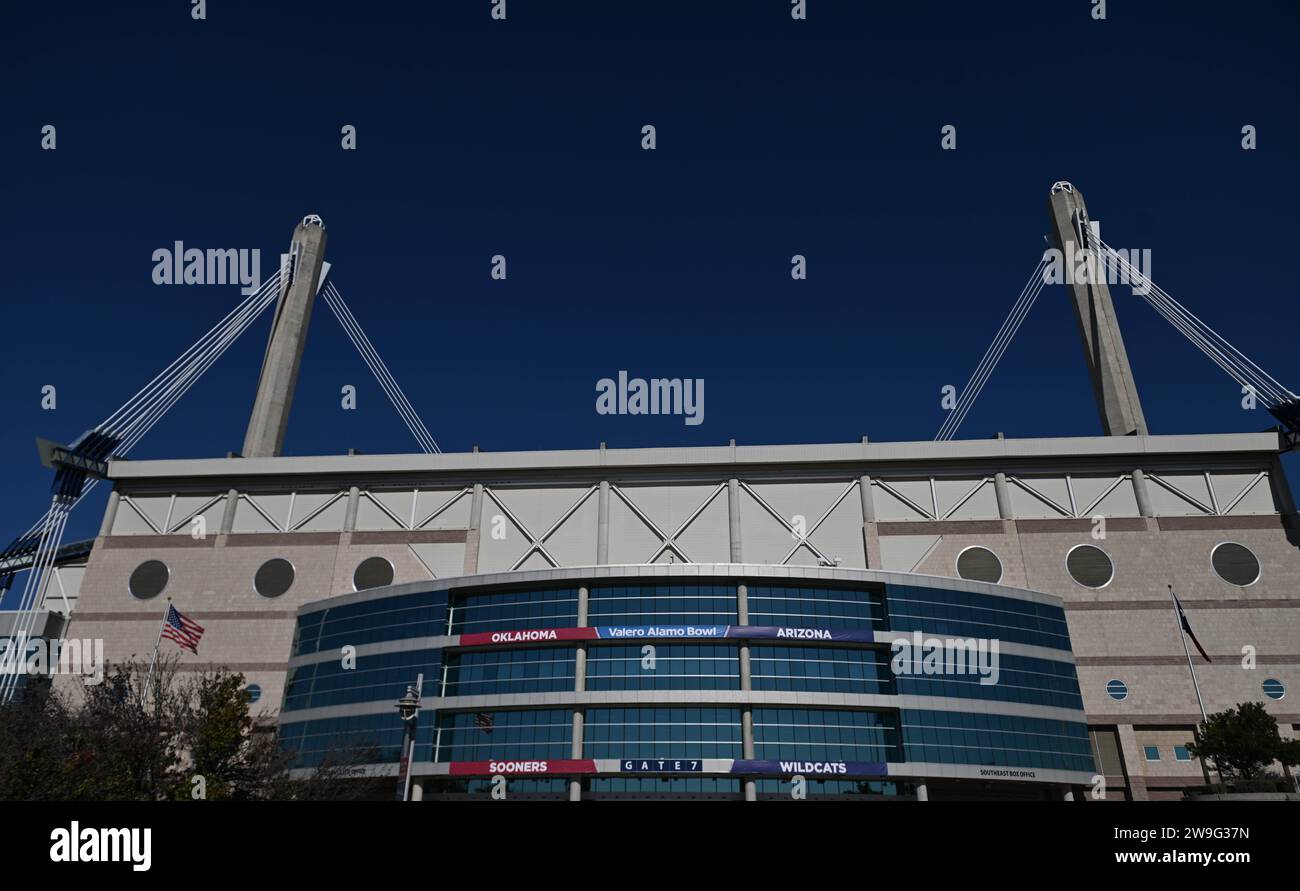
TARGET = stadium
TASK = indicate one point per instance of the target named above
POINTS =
(716, 622)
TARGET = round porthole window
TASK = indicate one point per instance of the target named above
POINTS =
(979, 565)
(1090, 566)
(252, 693)
(1235, 564)
(373, 572)
(1117, 690)
(149, 579)
(274, 577)
(1273, 688)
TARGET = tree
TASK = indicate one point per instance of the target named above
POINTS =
(1242, 742)
(176, 740)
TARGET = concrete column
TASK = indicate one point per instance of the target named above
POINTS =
(922, 792)
(575, 785)
(1134, 764)
(579, 687)
(870, 529)
(1003, 494)
(584, 603)
(747, 749)
(354, 504)
(110, 513)
(1103, 345)
(417, 789)
(602, 524)
(742, 618)
(476, 507)
(1141, 494)
(228, 513)
(1282, 494)
(472, 534)
(279, 379)
(733, 516)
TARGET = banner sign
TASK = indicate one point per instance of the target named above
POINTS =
(533, 635)
(665, 632)
(694, 632)
(522, 767)
(772, 632)
(661, 765)
(811, 768)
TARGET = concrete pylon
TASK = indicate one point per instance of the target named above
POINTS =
(1103, 345)
(266, 425)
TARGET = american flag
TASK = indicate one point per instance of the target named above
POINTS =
(483, 721)
(182, 629)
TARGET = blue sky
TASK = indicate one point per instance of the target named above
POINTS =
(522, 138)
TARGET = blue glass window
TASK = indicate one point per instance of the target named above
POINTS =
(390, 618)
(1020, 679)
(821, 669)
(1273, 688)
(651, 603)
(805, 606)
(1152, 753)
(514, 610)
(966, 614)
(664, 732)
(380, 677)
(703, 666)
(1182, 754)
(825, 735)
(530, 670)
(996, 740)
(724, 787)
(524, 734)
(819, 788)
(352, 739)
(1117, 690)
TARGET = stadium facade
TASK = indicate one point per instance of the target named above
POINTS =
(726, 621)
(1063, 550)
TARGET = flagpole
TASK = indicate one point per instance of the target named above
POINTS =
(1178, 622)
(148, 682)
(1200, 703)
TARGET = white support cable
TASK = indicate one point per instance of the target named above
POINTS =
(996, 351)
(148, 392)
(162, 385)
(379, 369)
(370, 359)
(419, 430)
(1214, 345)
(142, 424)
(959, 415)
(1238, 366)
(130, 423)
(37, 579)
(1202, 336)
(997, 348)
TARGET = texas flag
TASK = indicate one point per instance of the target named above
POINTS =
(1187, 628)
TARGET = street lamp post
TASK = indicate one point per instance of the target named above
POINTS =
(408, 708)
